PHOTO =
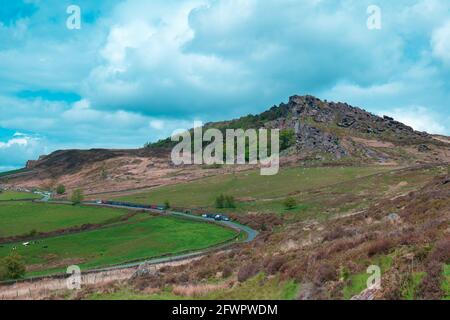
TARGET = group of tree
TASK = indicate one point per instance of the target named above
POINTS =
(225, 201)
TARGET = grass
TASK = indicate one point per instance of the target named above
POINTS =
(251, 184)
(142, 238)
(18, 218)
(357, 283)
(14, 195)
(257, 288)
(446, 282)
(413, 285)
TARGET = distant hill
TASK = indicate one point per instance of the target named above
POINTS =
(313, 132)
(329, 131)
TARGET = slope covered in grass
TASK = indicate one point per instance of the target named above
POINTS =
(19, 218)
(14, 195)
(251, 184)
(140, 238)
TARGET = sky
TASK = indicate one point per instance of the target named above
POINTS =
(137, 70)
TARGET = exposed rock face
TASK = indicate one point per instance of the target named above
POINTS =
(423, 148)
(322, 126)
(311, 139)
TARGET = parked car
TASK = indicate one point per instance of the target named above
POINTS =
(220, 217)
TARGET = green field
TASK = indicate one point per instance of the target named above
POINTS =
(251, 184)
(19, 218)
(143, 237)
(14, 195)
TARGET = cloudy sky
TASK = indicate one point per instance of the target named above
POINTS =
(138, 69)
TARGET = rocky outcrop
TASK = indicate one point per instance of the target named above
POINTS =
(313, 140)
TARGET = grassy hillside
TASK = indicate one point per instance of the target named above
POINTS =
(143, 237)
(14, 195)
(252, 185)
(19, 218)
(320, 193)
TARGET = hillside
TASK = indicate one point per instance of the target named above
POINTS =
(314, 132)
(354, 190)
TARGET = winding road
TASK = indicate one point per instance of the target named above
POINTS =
(251, 235)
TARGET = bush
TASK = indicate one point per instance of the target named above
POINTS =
(77, 196)
(60, 189)
(167, 204)
(430, 288)
(12, 267)
(247, 271)
(290, 203)
(227, 272)
(325, 272)
(380, 246)
(274, 264)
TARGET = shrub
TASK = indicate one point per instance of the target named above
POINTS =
(60, 189)
(325, 272)
(430, 288)
(290, 203)
(247, 271)
(77, 196)
(167, 204)
(380, 246)
(275, 264)
(12, 267)
(338, 233)
(227, 272)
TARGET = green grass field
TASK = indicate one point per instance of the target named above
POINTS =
(251, 184)
(13, 195)
(141, 238)
(18, 218)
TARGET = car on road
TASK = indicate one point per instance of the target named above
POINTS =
(221, 217)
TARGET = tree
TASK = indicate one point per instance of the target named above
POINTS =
(287, 138)
(77, 196)
(60, 189)
(224, 201)
(290, 203)
(229, 202)
(220, 201)
(12, 267)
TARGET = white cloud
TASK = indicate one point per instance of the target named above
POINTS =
(441, 43)
(17, 150)
(420, 118)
